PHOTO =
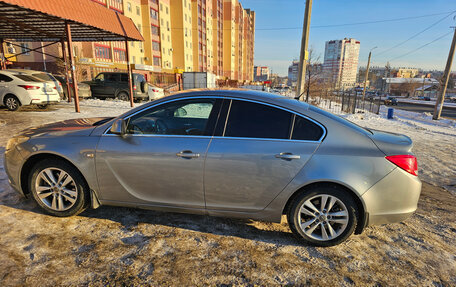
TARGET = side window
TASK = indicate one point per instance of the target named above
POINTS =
(4, 78)
(304, 129)
(100, 77)
(124, 77)
(185, 117)
(253, 120)
(112, 77)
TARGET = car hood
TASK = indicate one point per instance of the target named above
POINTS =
(391, 143)
(74, 127)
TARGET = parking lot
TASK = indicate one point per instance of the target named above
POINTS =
(121, 246)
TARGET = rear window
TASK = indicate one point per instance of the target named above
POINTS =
(253, 120)
(43, 76)
(27, 78)
(304, 129)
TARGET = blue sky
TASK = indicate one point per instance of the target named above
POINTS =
(277, 48)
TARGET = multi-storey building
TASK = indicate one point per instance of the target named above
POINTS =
(293, 70)
(165, 34)
(181, 26)
(217, 37)
(261, 74)
(341, 62)
(179, 35)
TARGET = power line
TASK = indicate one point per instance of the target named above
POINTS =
(357, 23)
(415, 35)
(328, 26)
(419, 48)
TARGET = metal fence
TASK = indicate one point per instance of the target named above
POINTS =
(345, 102)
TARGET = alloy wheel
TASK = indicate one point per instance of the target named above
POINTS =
(323, 217)
(12, 104)
(56, 189)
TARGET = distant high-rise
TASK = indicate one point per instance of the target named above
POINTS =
(341, 62)
(261, 74)
(293, 73)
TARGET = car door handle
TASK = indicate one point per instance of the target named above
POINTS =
(187, 154)
(287, 156)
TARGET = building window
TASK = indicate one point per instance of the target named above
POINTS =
(102, 52)
(25, 48)
(153, 14)
(161, 6)
(119, 55)
(139, 28)
(155, 31)
(134, 59)
(167, 12)
(155, 46)
(161, 21)
(129, 6)
(157, 61)
(138, 10)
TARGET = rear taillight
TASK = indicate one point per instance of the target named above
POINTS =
(134, 87)
(406, 162)
(28, 87)
(55, 88)
(154, 90)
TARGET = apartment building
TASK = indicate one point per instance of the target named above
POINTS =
(181, 36)
(341, 62)
(216, 36)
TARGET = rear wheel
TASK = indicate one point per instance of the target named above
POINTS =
(123, 96)
(11, 102)
(58, 188)
(42, 106)
(323, 216)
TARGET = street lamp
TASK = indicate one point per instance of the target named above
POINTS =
(367, 73)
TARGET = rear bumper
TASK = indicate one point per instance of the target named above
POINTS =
(43, 102)
(392, 199)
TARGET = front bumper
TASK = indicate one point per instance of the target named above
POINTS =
(392, 199)
(13, 162)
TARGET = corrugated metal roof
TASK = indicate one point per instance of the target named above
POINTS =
(410, 80)
(44, 20)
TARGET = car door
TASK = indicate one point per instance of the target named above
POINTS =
(4, 86)
(111, 84)
(257, 152)
(97, 85)
(160, 160)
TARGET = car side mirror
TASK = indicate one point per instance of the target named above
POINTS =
(119, 127)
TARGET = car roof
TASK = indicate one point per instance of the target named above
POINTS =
(254, 95)
(24, 71)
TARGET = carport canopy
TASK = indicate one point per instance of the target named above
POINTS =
(60, 20)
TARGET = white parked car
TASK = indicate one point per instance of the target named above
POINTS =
(44, 76)
(155, 93)
(21, 89)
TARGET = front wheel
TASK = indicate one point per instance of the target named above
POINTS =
(123, 96)
(11, 102)
(323, 216)
(58, 188)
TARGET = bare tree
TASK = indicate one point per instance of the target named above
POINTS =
(313, 74)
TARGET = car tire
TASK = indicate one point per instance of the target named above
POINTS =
(123, 96)
(326, 225)
(144, 87)
(11, 102)
(42, 106)
(58, 188)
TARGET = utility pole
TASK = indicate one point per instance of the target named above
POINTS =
(367, 73)
(303, 55)
(446, 75)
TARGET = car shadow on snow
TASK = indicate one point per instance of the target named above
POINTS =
(130, 218)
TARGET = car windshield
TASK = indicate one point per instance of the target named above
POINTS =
(27, 78)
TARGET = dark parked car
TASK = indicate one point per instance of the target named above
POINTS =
(115, 85)
(391, 101)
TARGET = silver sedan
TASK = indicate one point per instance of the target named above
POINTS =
(230, 153)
